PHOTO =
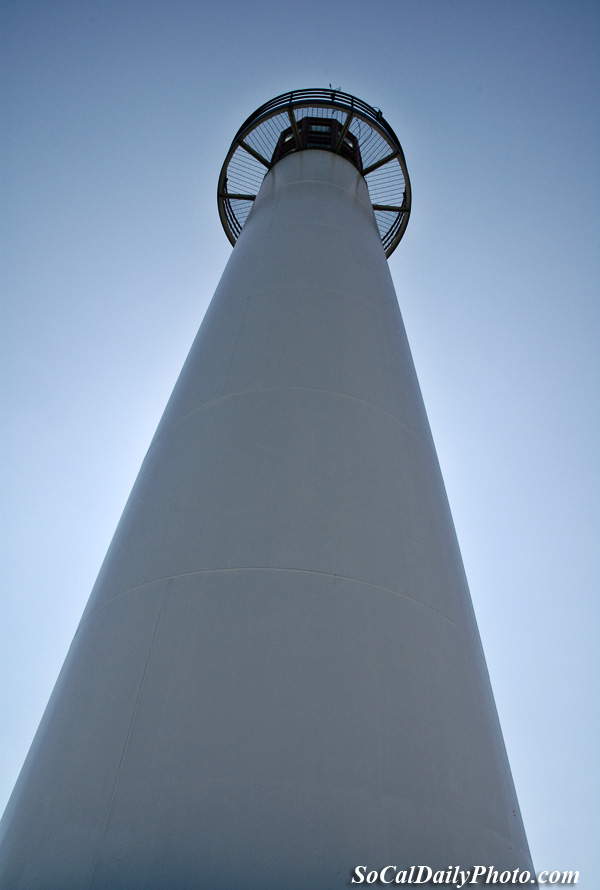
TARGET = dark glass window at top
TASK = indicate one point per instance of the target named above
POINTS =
(319, 132)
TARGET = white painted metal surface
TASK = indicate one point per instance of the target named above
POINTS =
(278, 676)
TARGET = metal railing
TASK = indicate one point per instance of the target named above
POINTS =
(250, 157)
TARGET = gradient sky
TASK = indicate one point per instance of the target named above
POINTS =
(116, 117)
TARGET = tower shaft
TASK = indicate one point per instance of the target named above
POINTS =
(278, 676)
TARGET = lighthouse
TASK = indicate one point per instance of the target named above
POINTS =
(278, 680)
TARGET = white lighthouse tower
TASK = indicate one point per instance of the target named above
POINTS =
(278, 676)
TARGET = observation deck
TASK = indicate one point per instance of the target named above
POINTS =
(328, 120)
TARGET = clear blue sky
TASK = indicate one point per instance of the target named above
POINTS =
(116, 117)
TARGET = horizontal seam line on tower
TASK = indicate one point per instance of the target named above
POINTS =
(169, 578)
(333, 392)
(327, 290)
